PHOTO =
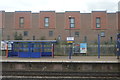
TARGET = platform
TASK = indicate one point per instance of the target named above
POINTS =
(77, 59)
(61, 64)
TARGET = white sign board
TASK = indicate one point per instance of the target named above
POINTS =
(70, 38)
(3, 45)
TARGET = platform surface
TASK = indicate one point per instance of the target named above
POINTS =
(78, 59)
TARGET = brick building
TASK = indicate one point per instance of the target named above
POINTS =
(51, 25)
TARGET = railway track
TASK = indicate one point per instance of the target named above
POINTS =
(61, 79)
(60, 74)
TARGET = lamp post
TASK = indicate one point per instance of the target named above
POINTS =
(118, 45)
(69, 26)
(70, 44)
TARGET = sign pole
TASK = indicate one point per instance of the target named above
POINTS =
(53, 50)
(70, 53)
(70, 41)
(98, 46)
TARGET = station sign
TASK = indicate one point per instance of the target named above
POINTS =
(70, 39)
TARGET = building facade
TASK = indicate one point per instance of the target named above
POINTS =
(51, 25)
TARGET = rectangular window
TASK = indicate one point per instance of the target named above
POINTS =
(50, 33)
(76, 34)
(21, 22)
(33, 37)
(8, 37)
(72, 22)
(102, 34)
(46, 22)
(25, 33)
(85, 39)
(111, 39)
(98, 21)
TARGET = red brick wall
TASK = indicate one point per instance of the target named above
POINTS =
(103, 17)
(59, 24)
(27, 19)
(52, 19)
(76, 15)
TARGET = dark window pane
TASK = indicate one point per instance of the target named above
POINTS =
(46, 24)
(25, 33)
(50, 33)
(33, 37)
(72, 22)
(72, 25)
(111, 39)
(98, 25)
(46, 21)
(98, 22)
(102, 34)
(77, 34)
(21, 22)
(85, 39)
(8, 37)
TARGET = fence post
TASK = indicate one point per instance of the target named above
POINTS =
(53, 50)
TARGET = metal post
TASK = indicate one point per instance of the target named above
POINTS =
(40, 49)
(70, 32)
(69, 26)
(70, 53)
(98, 46)
(118, 46)
(53, 50)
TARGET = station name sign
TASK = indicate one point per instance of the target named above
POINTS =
(70, 39)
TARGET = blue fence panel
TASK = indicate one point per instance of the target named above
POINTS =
(34, 49)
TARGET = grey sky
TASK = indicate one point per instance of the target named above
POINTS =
(59, 5)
